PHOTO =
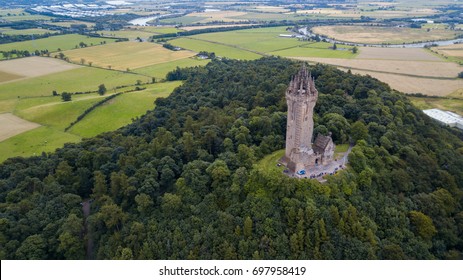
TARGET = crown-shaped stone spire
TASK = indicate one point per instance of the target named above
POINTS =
(302, 83)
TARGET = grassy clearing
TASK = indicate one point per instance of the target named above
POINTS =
(220, 50)
(379, 35)
(125, 55)
(81, 79)
(34, 142)
(317, 50)
(52, 44)
(121, 110)
(159, 71)
(269, 163)
(454, 105)
(341, 148)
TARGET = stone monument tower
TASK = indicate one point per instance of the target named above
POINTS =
(300, 154)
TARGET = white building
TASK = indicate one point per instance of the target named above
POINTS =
(445, 117)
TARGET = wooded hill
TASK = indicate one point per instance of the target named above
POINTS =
(181, 181)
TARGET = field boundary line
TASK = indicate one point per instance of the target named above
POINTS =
(228, 45)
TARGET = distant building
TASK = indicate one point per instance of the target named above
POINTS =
(445, 117)
(301, 154)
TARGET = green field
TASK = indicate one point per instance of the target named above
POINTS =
(81, 79)
(269, 163)
(129, 34)
(53, 43)
(34, 142)
(218, 49)
(453, 102)
(317, 50)
(32, 31)
(121, 110)
(156, 29)
(257, 39)
(159, 71)
(125, 55)
(55, 112)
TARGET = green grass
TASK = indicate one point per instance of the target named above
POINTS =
(341, 148)
(155, 29)
(269, 163)
(258, 39)
(317, 50)
(121, 110)
(34, 142)
(52, 44)
(25, 17)
(129, 34)
(185, 20)
(81, 79)
(32, 31)
(55, 112)
(269, 17)
(454, 105)
(220, 50)
(160, 70)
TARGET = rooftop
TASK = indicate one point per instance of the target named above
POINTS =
(448, 118)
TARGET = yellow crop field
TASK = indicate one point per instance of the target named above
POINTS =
(386, 35)
(433, 69)
(125, 55)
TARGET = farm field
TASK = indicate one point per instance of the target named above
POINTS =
(454, 105)
(155, 29)
(125, 55)
(452, 52)
(11, 125)
(222, 16)
(198, 27)
(258, 39)
(159, 71)
(406, 84)
(34, 142)
(412, 54)
(380, 35)
(121, 110)
(129, 34)
(81, 79)
(184, 20)
(68, 23)
(56, 113)
(32, 31)
(52, 44)
(434, 69)
(6, 77)
(317, 50)
(30, 67)
(218, 49)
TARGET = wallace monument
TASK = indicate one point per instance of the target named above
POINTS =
(301, 154)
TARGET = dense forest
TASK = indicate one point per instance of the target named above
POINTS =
(181, 182)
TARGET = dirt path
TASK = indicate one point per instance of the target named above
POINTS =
(88, 235)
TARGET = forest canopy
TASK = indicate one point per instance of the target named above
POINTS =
(181, 182)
